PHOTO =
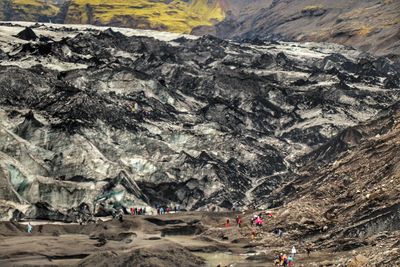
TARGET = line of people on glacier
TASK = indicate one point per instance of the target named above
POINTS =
(167, 209)
(118, 213)
(138, 211)
(160, 210)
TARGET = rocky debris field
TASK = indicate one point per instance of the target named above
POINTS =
(159, 241)
(96, 117)
(350, 198)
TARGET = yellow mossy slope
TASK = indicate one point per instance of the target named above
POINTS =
(30, 9)
(175, 16)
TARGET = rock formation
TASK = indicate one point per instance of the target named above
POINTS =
(108, 117)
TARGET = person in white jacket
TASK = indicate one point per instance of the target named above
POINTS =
(294, 251)
(30, 228)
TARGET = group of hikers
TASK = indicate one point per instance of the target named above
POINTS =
(163, 210)
(118, 214)
(29, 228)
(138, 211)
(284, 260)
(256, 220)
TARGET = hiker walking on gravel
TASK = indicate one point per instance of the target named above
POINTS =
(285, 260)
(290, 261)
(238, 221)
(30, 228)
(294, 251)
(253, 220)
(308, 249)
(119, 215)
(280, 232)
(280, 258)
(253, 235)
(259, 222)
(276, 261)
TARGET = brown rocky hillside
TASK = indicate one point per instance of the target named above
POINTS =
(353, 197)
(371, 25)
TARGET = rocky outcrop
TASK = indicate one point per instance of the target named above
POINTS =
(109, 118)
(28, 35)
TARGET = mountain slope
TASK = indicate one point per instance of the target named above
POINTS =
(176, 16)
(370, 25)
(354, 194)
(29, 10)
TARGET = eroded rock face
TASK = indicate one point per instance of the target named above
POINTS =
(101, 117)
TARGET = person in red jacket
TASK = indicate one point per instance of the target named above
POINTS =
(238, 221)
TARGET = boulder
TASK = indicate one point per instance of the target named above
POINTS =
(27, 34)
